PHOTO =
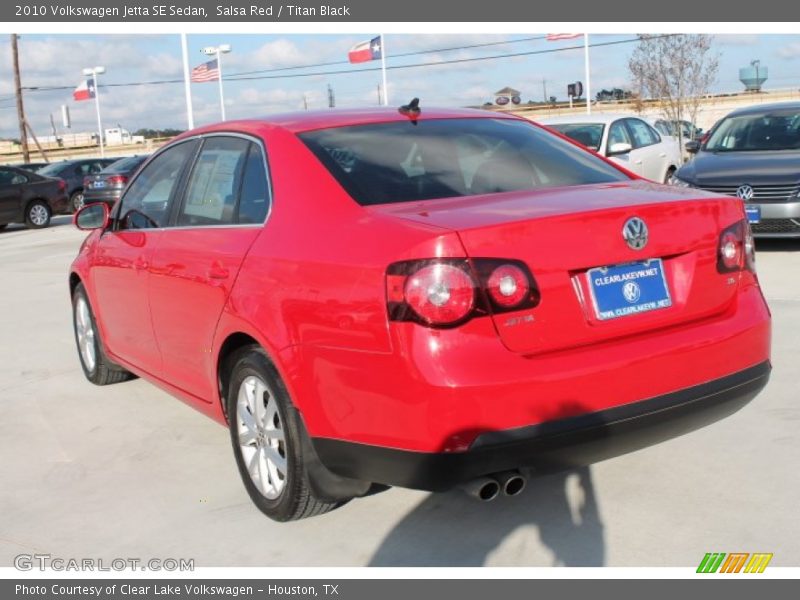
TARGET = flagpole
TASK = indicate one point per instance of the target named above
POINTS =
(588, 76)
(97, 109)
(187, 87)
(221, 95)
(383, 70)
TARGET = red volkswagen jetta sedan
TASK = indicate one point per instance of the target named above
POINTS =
(418, 298)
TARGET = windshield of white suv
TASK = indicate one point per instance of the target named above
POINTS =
(779, 130)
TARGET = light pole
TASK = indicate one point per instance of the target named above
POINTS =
(218, 51)
(94, 72)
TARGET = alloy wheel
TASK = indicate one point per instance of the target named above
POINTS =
(261, 436)
(85, 330)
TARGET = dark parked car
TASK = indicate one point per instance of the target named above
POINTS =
(73, 172)
(29, 198)
(753, 154)
(107, 185)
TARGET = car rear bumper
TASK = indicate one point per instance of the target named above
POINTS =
(108, 196)
(437, 391)
(553, 445)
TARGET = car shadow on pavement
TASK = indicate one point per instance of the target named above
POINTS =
(554, 522)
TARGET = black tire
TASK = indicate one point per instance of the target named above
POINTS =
(668, 176)
(3, 226)
(103, 372)
(295, 500)
(37, 215)
(76, 201)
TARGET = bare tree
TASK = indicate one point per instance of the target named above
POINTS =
(677, 71)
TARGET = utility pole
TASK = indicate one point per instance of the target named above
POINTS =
(544, 89)
(23, 136)
(331, 97)
(379, 95)
(305, 102)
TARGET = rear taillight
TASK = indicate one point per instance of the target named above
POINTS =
(736, 250)
(87, 181)
(117, 180)
(62, 185)
(448, 292)
(507, 286)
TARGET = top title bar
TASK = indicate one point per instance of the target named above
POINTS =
(465, 11)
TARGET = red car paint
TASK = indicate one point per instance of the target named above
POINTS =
(310, 287)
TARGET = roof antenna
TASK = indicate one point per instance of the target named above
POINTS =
(411, 110)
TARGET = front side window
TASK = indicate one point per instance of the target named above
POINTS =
(618, 134)
(147, 202)
(642, 134)
(440, 158)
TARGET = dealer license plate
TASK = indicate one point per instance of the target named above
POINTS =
(629, 289)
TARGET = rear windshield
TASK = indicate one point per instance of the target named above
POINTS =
(779, 130)
(588, 134)
(441, 158)
(125, 164)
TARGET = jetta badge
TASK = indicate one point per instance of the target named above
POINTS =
(635, 233)
(745, 192)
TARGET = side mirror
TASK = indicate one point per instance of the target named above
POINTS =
(692, 146)
(619, 148)
(92, 216)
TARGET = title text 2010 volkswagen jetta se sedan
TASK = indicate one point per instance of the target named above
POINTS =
(422, 299)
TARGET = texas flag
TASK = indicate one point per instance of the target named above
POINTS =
(366, 51)
(85, 91)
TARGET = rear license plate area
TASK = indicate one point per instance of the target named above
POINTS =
(628, 289)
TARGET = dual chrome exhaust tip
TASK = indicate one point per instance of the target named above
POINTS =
(486, 489)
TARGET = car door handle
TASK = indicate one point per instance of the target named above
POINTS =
(637, 162)
(218, 272)
(663, 154)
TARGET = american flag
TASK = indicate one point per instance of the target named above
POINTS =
(552, 37)
(208, 71)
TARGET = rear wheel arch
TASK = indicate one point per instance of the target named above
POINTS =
(234, 343)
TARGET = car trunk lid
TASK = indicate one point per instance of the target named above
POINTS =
(571, 237)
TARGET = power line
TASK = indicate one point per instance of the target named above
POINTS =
(239, 77)
(401, 55)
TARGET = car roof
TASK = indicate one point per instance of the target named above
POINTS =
(298, 122)
(759, 109)
(603, 118)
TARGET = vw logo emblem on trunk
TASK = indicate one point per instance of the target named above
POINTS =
(635, 233)
(745, 192)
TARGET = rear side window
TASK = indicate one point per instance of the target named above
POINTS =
(588, 134)
(213, 187)
(254, 197)
(148, 200)
(439, 158)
